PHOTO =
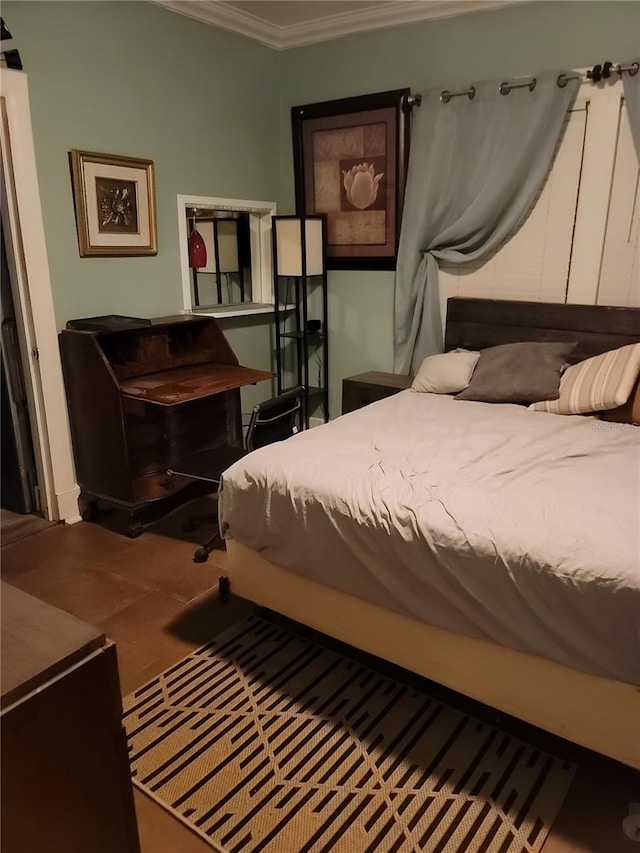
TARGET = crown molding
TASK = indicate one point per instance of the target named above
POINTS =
(217, 14)
(392, 14)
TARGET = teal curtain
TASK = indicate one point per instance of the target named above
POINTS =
(475, 168)
(631, 84)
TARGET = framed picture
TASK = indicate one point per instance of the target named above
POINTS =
(115, 204)
(350, 159)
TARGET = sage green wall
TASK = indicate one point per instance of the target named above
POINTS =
(135, 79)
(211, 109)
(450, 53)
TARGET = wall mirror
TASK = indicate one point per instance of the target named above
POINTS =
(225, 248)
(219, 250)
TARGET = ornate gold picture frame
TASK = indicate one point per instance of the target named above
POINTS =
(115, 204)
(350, 159)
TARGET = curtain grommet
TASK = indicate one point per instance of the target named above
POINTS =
(505, 88)
(446, 95)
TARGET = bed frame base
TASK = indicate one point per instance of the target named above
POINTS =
(598, 713)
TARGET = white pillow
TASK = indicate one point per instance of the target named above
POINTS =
(446, 373)
(595, 384)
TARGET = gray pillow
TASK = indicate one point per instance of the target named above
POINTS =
(518, 373)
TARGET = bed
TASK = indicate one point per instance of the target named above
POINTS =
(490, 548)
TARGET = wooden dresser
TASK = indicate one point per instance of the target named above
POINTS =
(66, 786)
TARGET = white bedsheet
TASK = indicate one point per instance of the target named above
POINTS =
(508, 525)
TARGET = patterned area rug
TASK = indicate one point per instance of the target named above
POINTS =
(263, 740)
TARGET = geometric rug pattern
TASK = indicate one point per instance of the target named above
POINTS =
(264, 740)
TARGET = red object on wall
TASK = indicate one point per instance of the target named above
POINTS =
(197, 250)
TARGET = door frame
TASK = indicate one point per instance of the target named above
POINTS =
(33, 298)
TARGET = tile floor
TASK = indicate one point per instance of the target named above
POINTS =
(157, 605)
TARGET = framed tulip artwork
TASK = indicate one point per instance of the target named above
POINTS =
(350, 159)
(115, 204)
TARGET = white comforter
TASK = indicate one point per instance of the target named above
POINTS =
(508, 525)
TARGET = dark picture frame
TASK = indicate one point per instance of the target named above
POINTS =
(350, 162)
(115, 204)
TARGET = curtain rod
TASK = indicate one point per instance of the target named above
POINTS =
(594, 75)
(503, 88)
(599, 72)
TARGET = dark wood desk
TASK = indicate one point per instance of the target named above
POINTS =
(140, 399)
(66, 784)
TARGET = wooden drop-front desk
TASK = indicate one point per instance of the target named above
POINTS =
(142, 398)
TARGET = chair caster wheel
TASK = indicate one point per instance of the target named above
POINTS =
(135, 530)
(201, 556)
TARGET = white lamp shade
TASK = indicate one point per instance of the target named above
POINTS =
(227, 245)
(289, 246)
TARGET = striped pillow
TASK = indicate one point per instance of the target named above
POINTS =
(627, 414)
(602, 382)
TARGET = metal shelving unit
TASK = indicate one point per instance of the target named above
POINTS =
(300, 283)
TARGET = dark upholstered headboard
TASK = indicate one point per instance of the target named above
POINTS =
(481, 323)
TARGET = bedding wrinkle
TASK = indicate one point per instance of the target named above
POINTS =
(512, 526)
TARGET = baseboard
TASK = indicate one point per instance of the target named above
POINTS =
(68, 506)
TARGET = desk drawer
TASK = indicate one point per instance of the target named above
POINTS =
(157, 436)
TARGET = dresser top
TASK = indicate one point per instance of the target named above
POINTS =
(39, 641)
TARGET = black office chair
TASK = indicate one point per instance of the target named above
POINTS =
(273, 420)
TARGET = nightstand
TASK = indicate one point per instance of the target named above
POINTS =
(365, 388)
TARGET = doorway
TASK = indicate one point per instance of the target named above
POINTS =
(18, 472)
(53, 491)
